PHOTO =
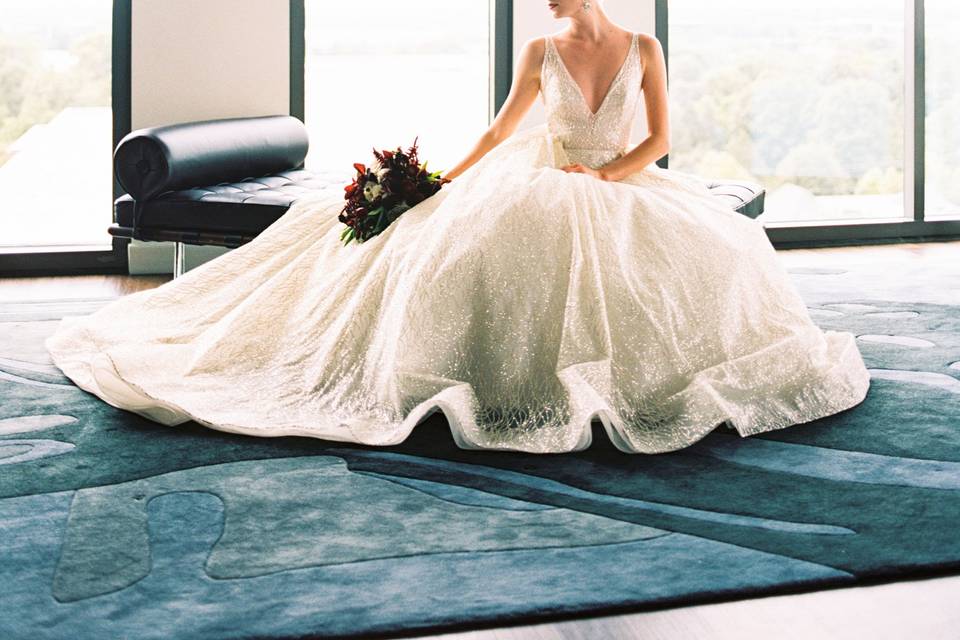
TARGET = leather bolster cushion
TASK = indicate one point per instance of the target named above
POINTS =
(150, 161)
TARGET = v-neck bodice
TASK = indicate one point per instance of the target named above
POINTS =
(587, 137)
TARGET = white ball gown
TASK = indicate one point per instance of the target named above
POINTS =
(521, 301)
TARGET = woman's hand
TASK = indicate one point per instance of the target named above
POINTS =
(579, 168)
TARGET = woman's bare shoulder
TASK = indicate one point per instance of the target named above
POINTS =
(535, 46)
(648, 42)
(650, 48)
(532, 53)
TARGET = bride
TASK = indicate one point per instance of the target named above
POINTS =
(557, 279)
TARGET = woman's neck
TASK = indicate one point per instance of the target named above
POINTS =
(590, 26)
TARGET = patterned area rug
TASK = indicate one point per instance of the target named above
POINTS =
(115, 526)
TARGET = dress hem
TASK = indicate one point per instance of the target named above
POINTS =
(766, 414)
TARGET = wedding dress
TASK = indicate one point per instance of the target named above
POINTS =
(521, 301)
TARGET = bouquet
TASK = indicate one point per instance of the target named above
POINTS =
(379, 194)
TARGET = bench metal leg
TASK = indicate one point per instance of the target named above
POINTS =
(178, 260)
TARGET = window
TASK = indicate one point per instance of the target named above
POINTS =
(56, 129)
(806, 98)
(942, 100)
(382, 73)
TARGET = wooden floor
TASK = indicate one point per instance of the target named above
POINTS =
(907, 610)
(40, 288)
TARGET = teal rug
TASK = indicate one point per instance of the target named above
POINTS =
(115, 526)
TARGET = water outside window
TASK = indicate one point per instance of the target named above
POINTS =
(56, 130)
(806, 98)
(381, 72)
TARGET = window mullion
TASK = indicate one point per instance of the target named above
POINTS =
(914, 176)
(501, 53)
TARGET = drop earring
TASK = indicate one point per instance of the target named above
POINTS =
(586, 5)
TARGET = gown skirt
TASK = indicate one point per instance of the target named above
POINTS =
(521, 301)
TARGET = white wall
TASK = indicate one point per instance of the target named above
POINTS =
(532, 18)
(199, 60)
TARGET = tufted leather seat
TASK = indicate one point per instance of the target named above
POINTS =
(741, 195)
(222, 182)
(227, 214)
(213, 182)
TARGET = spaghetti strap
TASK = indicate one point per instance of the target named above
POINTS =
(635, 44)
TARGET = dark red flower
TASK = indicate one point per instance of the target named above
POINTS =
(403, 182)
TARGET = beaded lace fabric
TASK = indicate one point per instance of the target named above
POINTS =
(521, 301)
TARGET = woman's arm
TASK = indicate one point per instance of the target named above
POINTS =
(523, 93)
(657, 143)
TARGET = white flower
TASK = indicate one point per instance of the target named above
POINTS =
(372, 191)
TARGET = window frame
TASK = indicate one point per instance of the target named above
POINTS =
(500, 45)
(913, 227)
(42, 261)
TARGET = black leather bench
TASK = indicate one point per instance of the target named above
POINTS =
(222, 182)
